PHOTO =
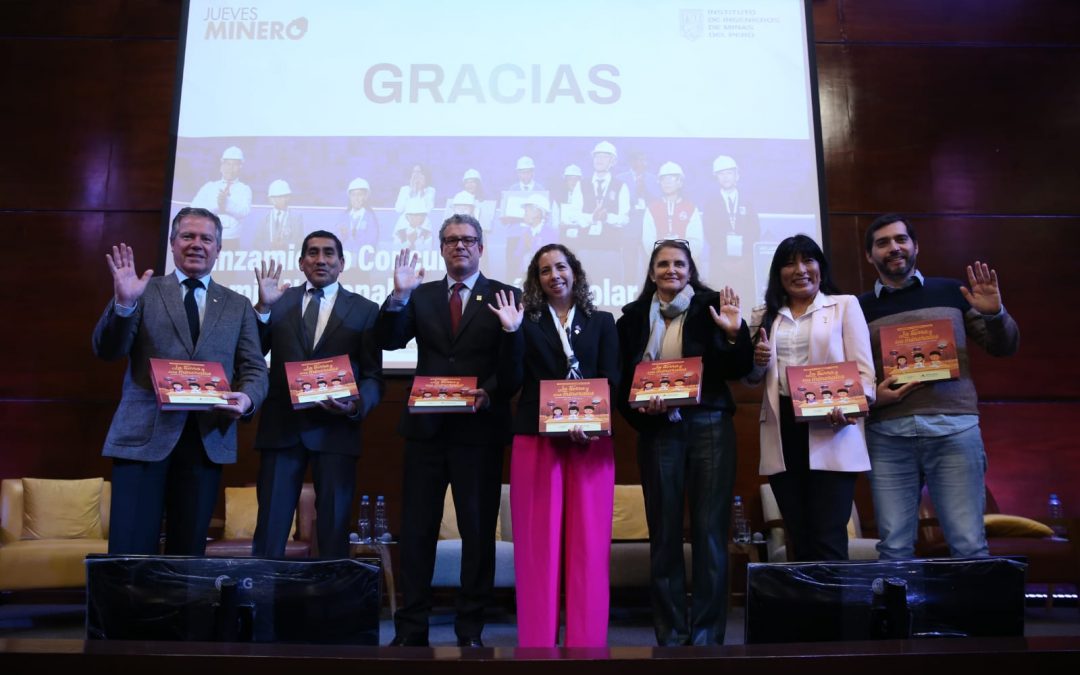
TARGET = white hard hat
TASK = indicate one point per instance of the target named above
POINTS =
(471, 173)
(572, 170)
(464, 197)
(539, 201)
(604, 146)
(233, 152)
(358, 184)
(416, 205)
(670, 169)
(525, 163)
(278, 188)
(723, 163)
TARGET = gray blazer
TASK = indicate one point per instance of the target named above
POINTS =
(159, 329)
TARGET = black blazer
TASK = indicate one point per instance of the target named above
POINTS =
(721, 360)
(350, 331)
(596, 346)
(481, 349)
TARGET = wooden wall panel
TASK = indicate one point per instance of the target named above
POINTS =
(997, 22)
(950, 130)
(101, 18)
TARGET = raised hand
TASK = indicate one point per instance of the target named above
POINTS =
(762, 350)
(128, 286)
(509, 315)
(729, 318)
(984, 294)
(408, 274)
(268, 278)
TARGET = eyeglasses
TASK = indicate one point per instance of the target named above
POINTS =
(676, 242)
(452, 242)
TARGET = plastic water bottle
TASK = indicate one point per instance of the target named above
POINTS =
(364, 524)
(742, 525)
(382, 530)
(1056, 513)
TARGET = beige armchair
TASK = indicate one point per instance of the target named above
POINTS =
(47, 528)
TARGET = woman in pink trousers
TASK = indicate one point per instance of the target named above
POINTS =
(561, 488)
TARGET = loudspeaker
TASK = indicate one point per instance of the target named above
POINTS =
(861, 600)
(232, 599)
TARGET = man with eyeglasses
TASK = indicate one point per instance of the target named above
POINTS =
(456, 335)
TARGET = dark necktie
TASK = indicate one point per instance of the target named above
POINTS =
(731, 205)
(192, 308)
(599, 191)
(455, 306)
(311, 315)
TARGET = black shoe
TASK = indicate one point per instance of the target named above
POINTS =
(400, 641)
(469, 642)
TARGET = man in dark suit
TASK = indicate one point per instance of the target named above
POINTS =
(169, 463)
(456, 335)
(319, 319)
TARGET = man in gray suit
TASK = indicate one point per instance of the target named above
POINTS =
(317, 320)
(169, 463)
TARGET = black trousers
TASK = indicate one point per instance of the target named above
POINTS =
(281, 477)
(693, 459)
(815, 505)
(183, 487)
(474, 473)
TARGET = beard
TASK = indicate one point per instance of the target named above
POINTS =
(898, 274)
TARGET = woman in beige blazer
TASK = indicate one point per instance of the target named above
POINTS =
(812, 466)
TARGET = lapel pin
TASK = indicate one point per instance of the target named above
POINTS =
(479, 298)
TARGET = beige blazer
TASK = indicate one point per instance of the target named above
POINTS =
(838, 332)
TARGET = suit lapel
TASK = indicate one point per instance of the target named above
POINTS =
(172, 298)
(477, 300)
(215, 305)
(291, 313)
(550, 331)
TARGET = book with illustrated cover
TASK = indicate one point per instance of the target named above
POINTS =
(677, 381)
(919, 352)
(565, 404)
(439, 394)
(188, 385)
(816, 390)
(312, 381)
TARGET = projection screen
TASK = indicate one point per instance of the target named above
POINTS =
(604, 125)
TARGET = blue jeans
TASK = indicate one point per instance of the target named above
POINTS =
(953, 467)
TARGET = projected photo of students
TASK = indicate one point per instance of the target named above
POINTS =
(567, 206)
(672, 216)
(483, 209)
(413, 229)
(419, 188)
(732, 228)
(282, 225)
(228, 197)
(359, 225)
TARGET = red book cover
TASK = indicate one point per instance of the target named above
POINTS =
(920, 352)
(312, 381)
(677, 381)
(816, 390)
(188, 385)
(565, 404)
(437, 394)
